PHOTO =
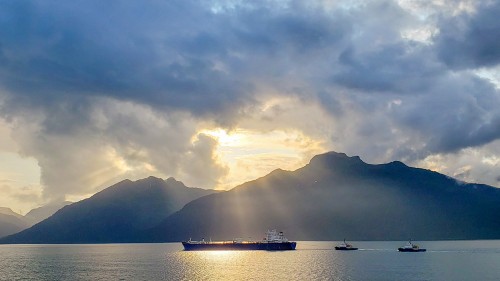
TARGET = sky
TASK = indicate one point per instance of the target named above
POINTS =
(216, 93)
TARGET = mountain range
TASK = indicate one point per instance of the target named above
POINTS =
(41, 213)
(116, 214)
(336, 197)
(333, 197)
(11, 222)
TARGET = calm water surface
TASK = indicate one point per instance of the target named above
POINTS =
(444, 260)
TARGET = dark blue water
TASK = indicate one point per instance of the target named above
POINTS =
(444, 260)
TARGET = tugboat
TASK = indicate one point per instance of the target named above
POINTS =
(343, 246)
(410, 247)
(274, 241)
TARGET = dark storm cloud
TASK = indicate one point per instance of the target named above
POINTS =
(445, 110)
(378, 59)
(208, 58)
(279, 34)
(459, 111)
(171, 54)
(50, 50)
(404, 68)
(471, 40)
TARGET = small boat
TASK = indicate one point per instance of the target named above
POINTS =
(410, 247)
(343, 246)
(274, 241)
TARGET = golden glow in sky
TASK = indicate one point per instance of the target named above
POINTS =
(251, 154)
(19, 182)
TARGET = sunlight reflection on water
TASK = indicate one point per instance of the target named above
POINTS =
(452, 260)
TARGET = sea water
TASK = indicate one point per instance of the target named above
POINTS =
(444, 260)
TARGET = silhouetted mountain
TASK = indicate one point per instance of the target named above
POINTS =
(112, 215)
(39, 214)
(11, 222)
(336, 197)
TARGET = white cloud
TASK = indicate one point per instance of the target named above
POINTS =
(479, 164)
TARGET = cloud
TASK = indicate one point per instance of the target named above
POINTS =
(22, 197)
(458, 112)
(479, 164)
(100, 91)
(471, 40)
(439, 109)
(119, 139)
(52, 50)
(400, 67)
(202, 162)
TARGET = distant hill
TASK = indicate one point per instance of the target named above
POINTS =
(39, 214)
(112, 215)
(336, 197)
(9, 212)
(11, 222)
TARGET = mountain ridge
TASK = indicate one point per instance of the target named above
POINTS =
(333, 197)
(11, 222)
(112, 215)
(39, 214)
(337, 196)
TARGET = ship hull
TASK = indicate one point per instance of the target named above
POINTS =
(345, 248)
(411, 250)
(284, 246)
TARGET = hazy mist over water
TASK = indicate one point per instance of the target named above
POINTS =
(444, 260)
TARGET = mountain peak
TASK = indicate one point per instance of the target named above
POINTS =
(172, 180)
(333, 157)
(8, 211)
(153, 178)
(5, 209)
(115, 214)
(169, 181)
(39, 214)
(150, 181)
(397, 164)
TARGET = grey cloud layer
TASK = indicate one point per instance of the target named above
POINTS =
(470, 41)
(137, 52)
(209, 60)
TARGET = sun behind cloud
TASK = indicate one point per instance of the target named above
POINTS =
(250, 154)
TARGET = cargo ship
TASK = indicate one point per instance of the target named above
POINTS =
(274, 241)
